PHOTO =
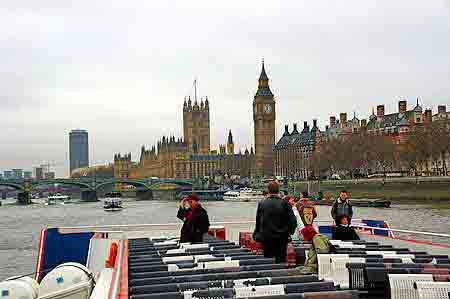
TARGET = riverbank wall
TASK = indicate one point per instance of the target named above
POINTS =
(398, 189)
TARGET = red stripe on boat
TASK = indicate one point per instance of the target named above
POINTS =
(123, 291)
(40, 257)
(116, 267)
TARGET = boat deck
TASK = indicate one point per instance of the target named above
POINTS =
(413, 245)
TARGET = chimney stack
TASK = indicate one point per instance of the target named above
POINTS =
(402, 106)
(305, 127)
(442, 109)
(327, 128)
(428, 116)
(380, 111)
(295, 127)
(332, 121)
(343, 118)
(286, 129)
(314, 123)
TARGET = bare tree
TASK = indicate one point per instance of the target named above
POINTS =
(381, 152)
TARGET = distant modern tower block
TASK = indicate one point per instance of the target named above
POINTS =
(17, 173)
(38, 173)
(78, 149)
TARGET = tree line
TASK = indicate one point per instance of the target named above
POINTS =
(423, 150)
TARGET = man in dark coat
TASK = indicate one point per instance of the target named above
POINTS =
(275, 222)
(342, 207)
(195, 218)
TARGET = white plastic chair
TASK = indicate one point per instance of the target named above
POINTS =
(324, 265)
(340, 275)
(398, 256)
(260, 291)
(336, 242)
(433, 290)
(402, 285)
(351, 246)
(382, 253)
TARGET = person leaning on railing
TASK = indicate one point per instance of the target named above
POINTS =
(343, 231)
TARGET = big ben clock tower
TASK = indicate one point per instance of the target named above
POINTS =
(264, 123)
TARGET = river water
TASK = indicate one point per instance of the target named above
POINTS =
(20, 225)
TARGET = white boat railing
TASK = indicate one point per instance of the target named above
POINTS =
(119, 228)
(413, 232)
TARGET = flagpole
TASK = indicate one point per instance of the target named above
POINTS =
(195, 89)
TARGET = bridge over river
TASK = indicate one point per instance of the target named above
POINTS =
(89, 188)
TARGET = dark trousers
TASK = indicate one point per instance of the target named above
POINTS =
(276, 248)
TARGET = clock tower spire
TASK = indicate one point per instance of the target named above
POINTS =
(264, 124)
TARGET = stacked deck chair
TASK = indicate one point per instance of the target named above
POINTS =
(167, 269)
(380, 271)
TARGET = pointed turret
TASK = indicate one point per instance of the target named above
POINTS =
(305, 127)
(202, 105)
(230, 144)
(372, 116)
(295, 130)
(206, 103)
(230, 138)
(286, 130)
(195, 107)
(418, 108)
(185, 104)
(263, 84)
(189, 103)
(252, 152)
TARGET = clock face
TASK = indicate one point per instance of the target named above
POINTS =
(267, 108)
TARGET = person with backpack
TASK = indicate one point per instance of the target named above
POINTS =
(320, 244)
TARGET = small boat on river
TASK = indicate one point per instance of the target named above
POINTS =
(57, 198)
(376, 203)
(112, 202)
(244, 194)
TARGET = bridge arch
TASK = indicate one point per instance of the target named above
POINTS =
(65, 182)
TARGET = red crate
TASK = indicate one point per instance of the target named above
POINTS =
(217, 232)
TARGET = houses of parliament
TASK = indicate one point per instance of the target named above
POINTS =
(191, 156)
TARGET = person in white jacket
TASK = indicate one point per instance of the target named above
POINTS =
(297, 235)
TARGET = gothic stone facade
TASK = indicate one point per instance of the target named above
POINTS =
(191, 156)
(294, 149)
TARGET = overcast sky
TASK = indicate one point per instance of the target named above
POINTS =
(120, 69)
